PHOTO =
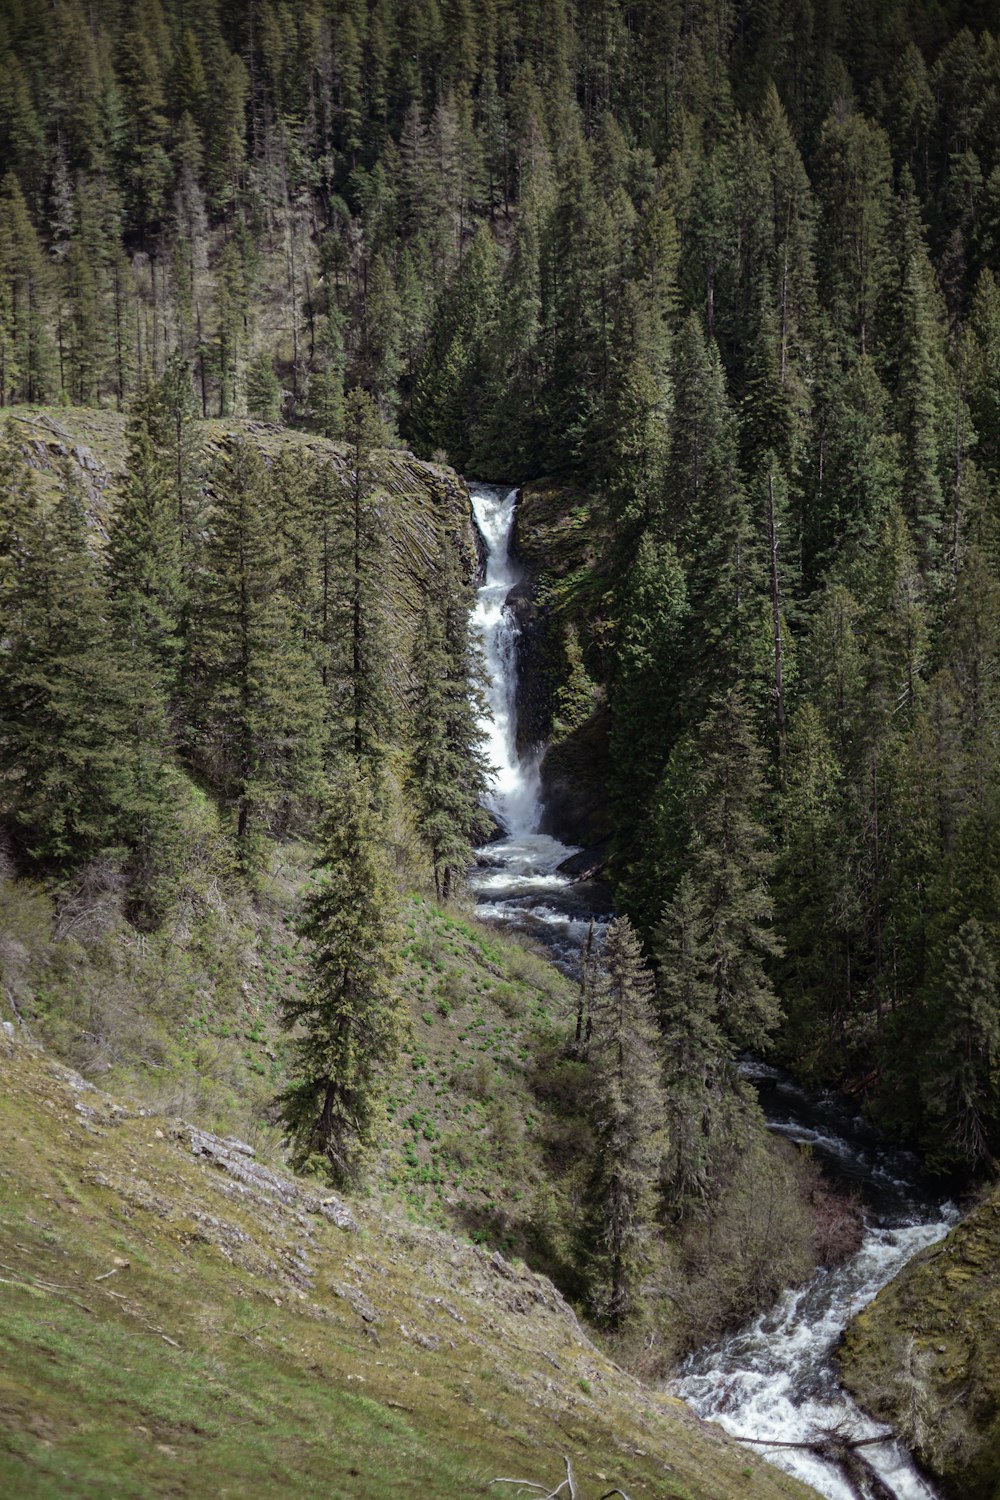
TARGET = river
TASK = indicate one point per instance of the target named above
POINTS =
(775, 1378)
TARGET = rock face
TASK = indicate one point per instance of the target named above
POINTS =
(534, 674)
(418, 498)
(556, 542)
(576, 774)
(925, 1356)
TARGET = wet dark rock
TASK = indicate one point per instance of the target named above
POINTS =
(586, 864)
(576, 776)
(534, 676)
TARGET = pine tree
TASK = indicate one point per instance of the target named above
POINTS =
(730, 863)
(792, 235)
(705, 510)
(962, 1076)
(652, 608)
(326, 385)
(254, 705)
(25, 344)
(145, 547)
(263, 390)
(854, 475)
(695, 1050)
(62, 725)
(919, 387)
(381, 364)
(361, 708)
(450, 771)
(812, 897)
(449, 402)
(350, 1022)
(148, 169)
(628, 1115)
(854, 175)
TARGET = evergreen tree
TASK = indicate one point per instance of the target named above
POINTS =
(25, 340)
(962, 1071)
(919, 393)
(705, 509)
(449, 401)
(361, 707)
(730, 864)
(145, 547)
(263, 390)
(450, 772)
(628, 1115)
(326, 386)
(645, 722)
(813, 898)
(695, 1050)
(62, 726)
(254, 705)
(854, 174)
(348, 1024)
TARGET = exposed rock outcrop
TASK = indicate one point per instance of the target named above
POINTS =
(925, 1356)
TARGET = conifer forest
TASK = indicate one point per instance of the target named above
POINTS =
(714, 285)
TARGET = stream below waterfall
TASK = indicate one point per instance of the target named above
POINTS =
(775, 1378)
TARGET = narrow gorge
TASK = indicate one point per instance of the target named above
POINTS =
(774, 1381)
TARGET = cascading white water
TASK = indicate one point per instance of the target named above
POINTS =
(517, 879)
(776, 1377)
(516, 798)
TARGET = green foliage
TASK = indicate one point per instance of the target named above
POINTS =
(626, 1113)
(263, 390)
(349, 1022)
(360, 707)
(729, 860)
(253, 701)
(68, 791)
(450, 772)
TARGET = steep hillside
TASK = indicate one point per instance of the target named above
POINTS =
(926, 1356)
(178, 1318)
(188, 1018)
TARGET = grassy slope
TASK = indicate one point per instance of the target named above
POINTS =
(483, 1139)
(926, 1355)
(244, 1345)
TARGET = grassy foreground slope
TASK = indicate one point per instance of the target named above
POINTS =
(925, 1355)
(179, 1319)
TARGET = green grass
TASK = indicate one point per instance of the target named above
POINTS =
(207, 1365)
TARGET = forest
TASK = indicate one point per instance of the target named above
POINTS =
(728, 271)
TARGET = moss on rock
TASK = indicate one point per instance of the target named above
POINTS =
(925, 1356)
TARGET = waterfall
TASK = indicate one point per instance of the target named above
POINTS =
(775, 1378)
(518, 880)
(516, 798)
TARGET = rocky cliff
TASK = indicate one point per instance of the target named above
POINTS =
(419, 496)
